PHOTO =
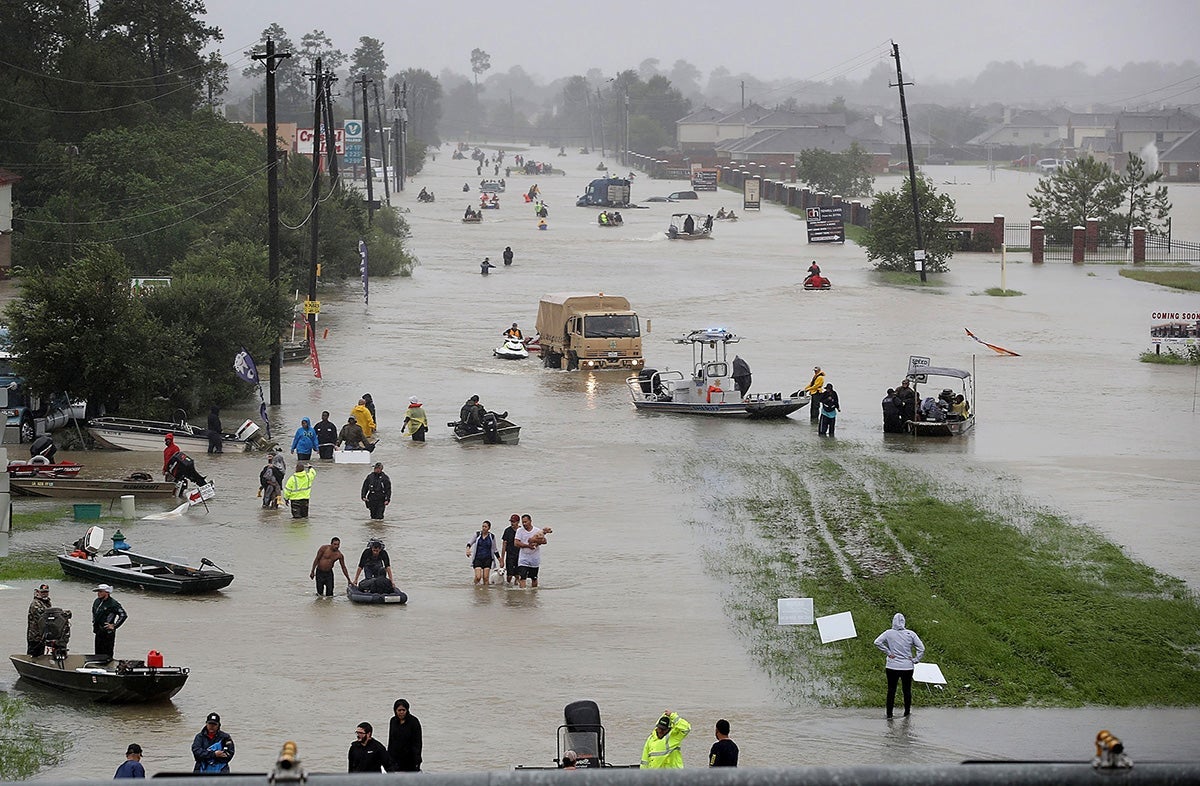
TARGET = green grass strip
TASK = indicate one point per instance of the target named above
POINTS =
(1019, 607)
(1188, 280)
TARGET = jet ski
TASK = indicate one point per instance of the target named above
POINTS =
(511, 349)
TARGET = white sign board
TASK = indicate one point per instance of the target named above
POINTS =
(352, 457)
(835, 627)
(795, 611)
(928, 672)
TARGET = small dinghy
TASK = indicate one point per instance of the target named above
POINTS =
(512, 349)
(357, 595)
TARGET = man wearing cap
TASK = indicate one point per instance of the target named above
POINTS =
(35, 643)
(107, 616)
(908, 401)
(367, 754)
(298, 489)
(416, 422)
(377, 491)
(327, 435)
(132, 766)
(816, 387)
(212, 748)
(512, 552)
(662, 749)
(374, 562)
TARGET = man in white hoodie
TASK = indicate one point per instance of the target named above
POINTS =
(899, 643)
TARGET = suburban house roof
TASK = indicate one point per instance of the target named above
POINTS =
(785, 119)
(1186, 150)
(745, 115)
(1026, 119)
(705, 114)
(889, 133)
(1093, 120)
(1177, 120)
(790, 141)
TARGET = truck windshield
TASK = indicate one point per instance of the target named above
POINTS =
(611, 326)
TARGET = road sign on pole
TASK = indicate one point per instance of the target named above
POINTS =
(353, 130)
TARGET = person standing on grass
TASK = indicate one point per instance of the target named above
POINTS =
(898, 644)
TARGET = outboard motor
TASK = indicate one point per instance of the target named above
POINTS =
(56, 630)
(646, 381)
(583, 733)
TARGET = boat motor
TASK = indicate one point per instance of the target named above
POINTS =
(251, 434)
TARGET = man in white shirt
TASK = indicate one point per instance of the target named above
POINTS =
(530, 540)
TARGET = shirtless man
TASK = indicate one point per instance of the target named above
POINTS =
(322, 567)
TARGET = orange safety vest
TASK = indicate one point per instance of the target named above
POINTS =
(713, 389)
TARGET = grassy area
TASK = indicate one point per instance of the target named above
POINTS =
(998, 292)
(25, 747)
(1188, 280)
(24, 566)
(856, 234)
(907, 278)
(1018, 607)
(1184, 356)
(32, 519)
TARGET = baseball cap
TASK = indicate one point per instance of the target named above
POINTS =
(133, 748)
(43, 588)
(514, 517)
(378, 465)
(103, 588)
(213, 718)
(664, 722)
(414, 400)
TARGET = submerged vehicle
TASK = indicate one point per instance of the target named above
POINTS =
(27, 414)
(606, 192)
(710, 389)
(588, 330)
(954, 425)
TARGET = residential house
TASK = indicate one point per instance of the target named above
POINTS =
(1083, 126)
(1025, 129)
(1181, 161)
(1136, 130)
(698, 131)
(885, 131)
(778, 146)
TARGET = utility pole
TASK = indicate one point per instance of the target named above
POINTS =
(314, 214)
(330, 134)
(919, 252)
(387, 195)
(272, 58)
(743, 94)
(363, 82)
(600, 109)
(625, 157)
(396, 131)
(402, 144)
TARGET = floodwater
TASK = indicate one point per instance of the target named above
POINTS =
(627, 615)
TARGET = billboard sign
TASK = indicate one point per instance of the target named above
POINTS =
(304, 140)
(751, 191)
(703, 179)
(353, 132)
(825, 225)
(1175, 328)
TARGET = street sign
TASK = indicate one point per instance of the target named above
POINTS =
(825, 224)
(751, 194)
(312, 307)
(353, 130)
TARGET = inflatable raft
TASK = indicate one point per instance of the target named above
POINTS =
(395, 596)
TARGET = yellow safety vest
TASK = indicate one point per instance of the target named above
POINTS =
(664, 753)
(299, 485)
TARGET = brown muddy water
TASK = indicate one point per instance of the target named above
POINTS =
(627, 615)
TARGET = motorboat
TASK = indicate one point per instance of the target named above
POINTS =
(139, 484)
(709, 389)
(358, 596)
(40, 466)
(512, 349)
(489, 204)
(497, 430)
(128, 568)
(133, 434)
(102, 679)
(583, 735)
(475, 219)
(701, 228)
(919, 371)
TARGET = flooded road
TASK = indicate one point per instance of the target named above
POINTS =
(627, 614)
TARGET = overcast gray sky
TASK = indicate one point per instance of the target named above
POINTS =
(771, 39)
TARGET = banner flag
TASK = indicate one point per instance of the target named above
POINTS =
(243, 366)
(362, 266)
(312, 350)
(997, 349)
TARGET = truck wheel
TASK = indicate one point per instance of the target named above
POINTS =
(572, 362)
(26, 431)
(552, 360)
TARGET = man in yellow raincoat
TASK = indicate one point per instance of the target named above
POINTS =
(662, 751)
(816, 389)
(363, 416)
(298, 490)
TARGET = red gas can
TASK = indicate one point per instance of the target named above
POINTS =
(154, 659)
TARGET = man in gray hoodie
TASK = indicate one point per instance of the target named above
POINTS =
(899, 643)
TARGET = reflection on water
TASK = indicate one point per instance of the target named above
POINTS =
(627, 614)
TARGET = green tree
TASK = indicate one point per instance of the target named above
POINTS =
(424, 105)
(1147, 208)
(481, 61)
(891, 238)
(1082, 189)
(316, 44)
(369, 59)
(846, 174)
(291, 85)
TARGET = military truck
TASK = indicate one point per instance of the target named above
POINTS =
(591, 331)
(606, 192)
